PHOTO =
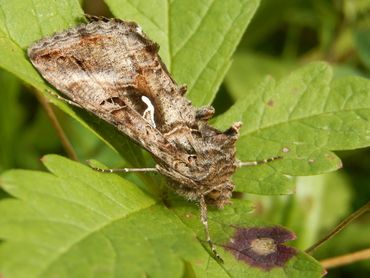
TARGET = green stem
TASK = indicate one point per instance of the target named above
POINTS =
(340, 227)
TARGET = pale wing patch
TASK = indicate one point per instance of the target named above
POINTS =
(149, 111)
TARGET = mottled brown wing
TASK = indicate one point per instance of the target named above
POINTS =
(112, 69)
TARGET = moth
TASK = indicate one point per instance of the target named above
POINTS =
(112, 69)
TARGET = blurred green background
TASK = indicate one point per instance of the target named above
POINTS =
(283, 35)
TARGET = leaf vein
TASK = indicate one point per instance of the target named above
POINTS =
(210, 59)
(196, 28)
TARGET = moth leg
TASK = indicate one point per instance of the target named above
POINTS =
(64, 99)
(204, 220)
(124, 170)
(258, 162)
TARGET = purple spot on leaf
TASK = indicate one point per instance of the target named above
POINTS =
(262, 247)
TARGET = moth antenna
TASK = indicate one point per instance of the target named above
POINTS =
(64, 99)
(204, 220)
(257, 162)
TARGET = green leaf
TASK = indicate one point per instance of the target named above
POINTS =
(24, 21)
(75, 222)
(196, 43)
(224, 223)
(301, 118)
(79, 223)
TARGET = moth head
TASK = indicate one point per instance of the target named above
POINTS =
(221, 195)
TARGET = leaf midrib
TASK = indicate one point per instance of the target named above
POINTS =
(89, 233)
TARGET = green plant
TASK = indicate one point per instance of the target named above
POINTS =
(74, 222)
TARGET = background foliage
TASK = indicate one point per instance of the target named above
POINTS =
(281, 97)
